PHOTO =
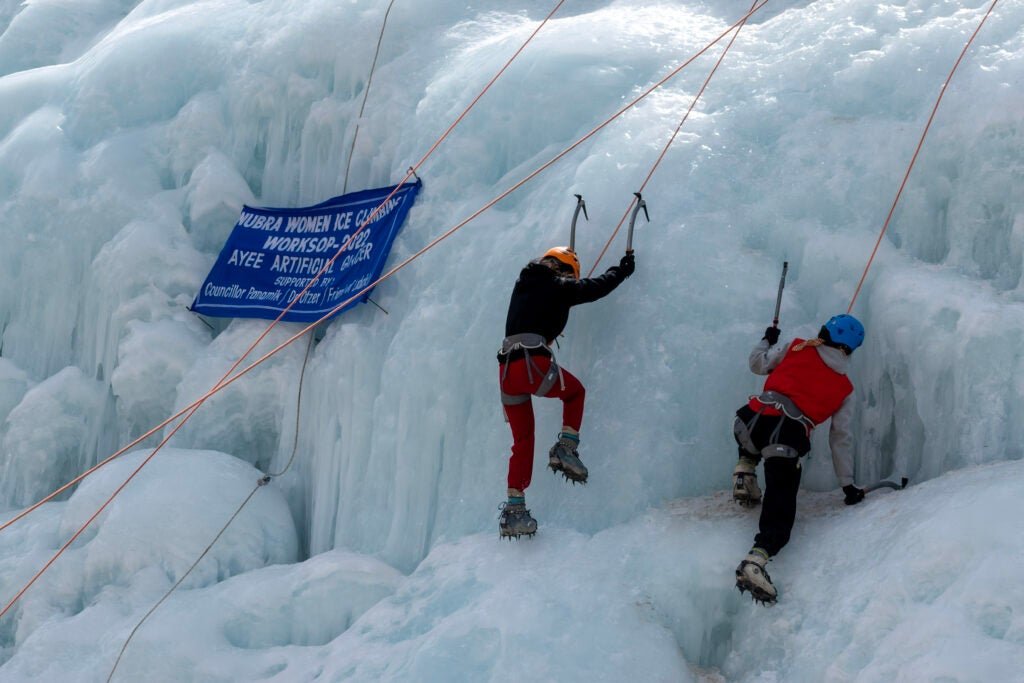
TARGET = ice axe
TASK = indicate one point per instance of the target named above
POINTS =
(580, 206)
(886, 484)
(640, 204)
(778, 299)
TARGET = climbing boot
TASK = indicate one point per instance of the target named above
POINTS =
(745, 490)
(515, 520)
(564, 458)
(752, 576)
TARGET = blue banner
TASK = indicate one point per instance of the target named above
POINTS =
(272, 254)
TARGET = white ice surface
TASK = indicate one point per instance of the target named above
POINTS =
(131, 133)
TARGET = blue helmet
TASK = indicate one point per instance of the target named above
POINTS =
(844, 331)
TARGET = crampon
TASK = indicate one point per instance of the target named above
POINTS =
(756, 594)
(751, 576)
(516, 521)
(562, 459)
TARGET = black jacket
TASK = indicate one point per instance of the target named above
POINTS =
(541, 299)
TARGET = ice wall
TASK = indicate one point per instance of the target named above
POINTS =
(127, 149)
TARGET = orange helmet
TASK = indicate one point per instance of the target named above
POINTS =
(567, 256)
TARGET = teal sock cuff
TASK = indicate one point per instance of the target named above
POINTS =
(515, 500)
(573, 437)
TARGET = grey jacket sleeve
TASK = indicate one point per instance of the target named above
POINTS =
(764, 358)
(840, 441)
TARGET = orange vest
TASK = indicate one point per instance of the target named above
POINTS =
(803, 377)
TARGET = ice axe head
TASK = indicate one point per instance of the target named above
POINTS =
(886, 484)
(580, 206)
(640, 204)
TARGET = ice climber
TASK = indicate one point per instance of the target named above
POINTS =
(806, 385)
(537, 313)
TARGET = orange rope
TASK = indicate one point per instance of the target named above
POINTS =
(913, 159)
(672, 139)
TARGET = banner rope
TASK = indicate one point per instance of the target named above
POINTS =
(183, 576)
(263, 481)
(366, 94)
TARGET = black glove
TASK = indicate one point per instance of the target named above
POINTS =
(627, 264)
(772, 335)
(854, 495)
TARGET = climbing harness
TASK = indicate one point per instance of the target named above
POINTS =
(783, 404)
(521, 344)
(771, 399)
(741, 431)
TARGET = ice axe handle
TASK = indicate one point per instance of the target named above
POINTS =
(778, 299)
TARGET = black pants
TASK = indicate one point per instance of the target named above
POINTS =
(781, 476)
(778, 504)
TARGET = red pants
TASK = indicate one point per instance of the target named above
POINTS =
(520, 417)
